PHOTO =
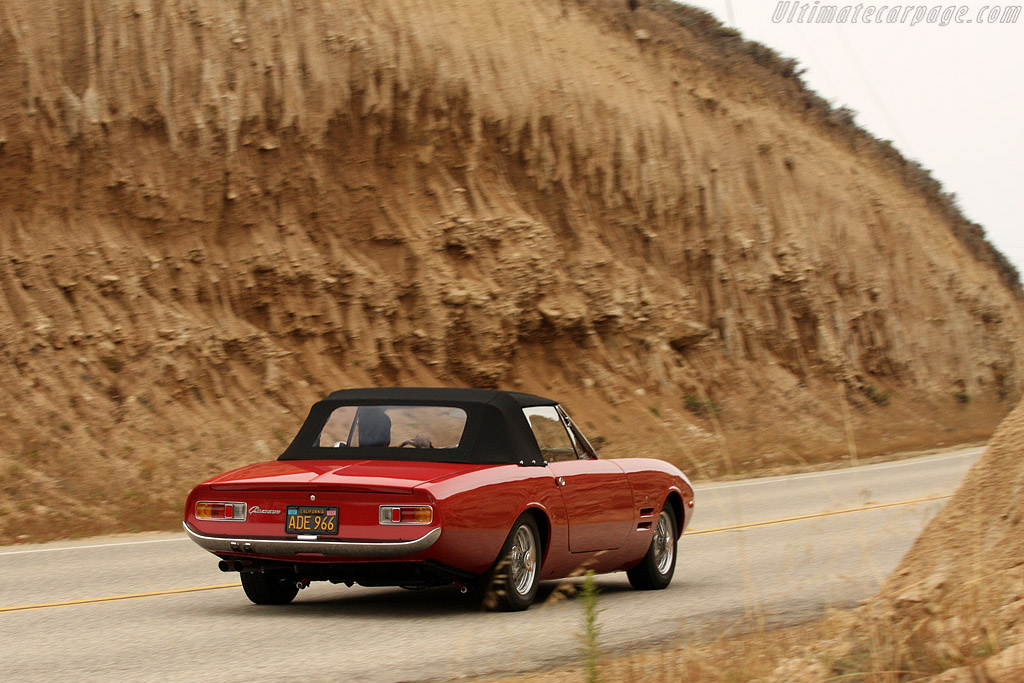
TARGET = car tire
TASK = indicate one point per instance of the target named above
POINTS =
(659, 564)
(267, 589)
(511, 585)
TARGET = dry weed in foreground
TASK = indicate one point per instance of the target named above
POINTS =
(971, 630)
(726, 659)
(591, 648)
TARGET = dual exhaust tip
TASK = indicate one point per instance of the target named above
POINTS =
(238, 566)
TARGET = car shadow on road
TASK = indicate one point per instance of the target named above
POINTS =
(376, 603)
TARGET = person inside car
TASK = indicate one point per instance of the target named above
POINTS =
(374, 427)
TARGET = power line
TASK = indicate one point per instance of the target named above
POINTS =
(851, 53)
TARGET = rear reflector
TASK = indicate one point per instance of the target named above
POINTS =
(406, 514)
(220, 512)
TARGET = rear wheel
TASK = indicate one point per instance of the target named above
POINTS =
(266, 589)
(659, 564)
(512, 583)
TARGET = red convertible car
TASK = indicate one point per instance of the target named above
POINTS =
(492, 490)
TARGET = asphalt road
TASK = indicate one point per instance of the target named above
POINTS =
(154, 607)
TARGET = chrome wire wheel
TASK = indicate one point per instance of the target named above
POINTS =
(513, 579)
(655, 570)
(523, 560)
(663, 545)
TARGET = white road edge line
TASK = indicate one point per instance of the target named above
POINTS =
(86, 547)
(752, 482)
(842, 470)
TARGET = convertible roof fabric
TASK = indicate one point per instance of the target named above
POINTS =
(435, 396)
(496, 430)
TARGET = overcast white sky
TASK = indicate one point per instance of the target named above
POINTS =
(950, 97)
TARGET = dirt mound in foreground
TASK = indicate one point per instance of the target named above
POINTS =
(216, 212)
(954, 608)
(958, 595)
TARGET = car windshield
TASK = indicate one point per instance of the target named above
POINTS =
(390, 426)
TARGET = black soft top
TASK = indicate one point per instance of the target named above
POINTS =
(496, 430)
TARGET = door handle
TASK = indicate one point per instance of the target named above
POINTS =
(560, 481)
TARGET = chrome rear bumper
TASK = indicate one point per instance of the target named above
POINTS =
(262, 546)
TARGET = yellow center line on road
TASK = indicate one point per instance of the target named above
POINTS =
(696, 532)
(113, 598)
(815, 515)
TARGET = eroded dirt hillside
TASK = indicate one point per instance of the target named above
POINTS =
(212, 213)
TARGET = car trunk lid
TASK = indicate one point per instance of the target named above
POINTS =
(380, 476)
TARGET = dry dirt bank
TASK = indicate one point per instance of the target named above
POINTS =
(212, 213)
(955, 605)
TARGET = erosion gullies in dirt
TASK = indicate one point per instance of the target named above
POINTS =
(214, 213)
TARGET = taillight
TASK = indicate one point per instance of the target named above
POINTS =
(406, 514)
(220, 512)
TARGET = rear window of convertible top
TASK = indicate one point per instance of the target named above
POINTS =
(406, 426)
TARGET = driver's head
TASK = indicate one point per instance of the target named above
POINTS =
(374, 427)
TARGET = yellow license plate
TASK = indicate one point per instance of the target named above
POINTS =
(309, 519)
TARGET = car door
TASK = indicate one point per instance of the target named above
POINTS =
(596, 493)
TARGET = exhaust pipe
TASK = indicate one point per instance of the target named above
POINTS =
(226, 566)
